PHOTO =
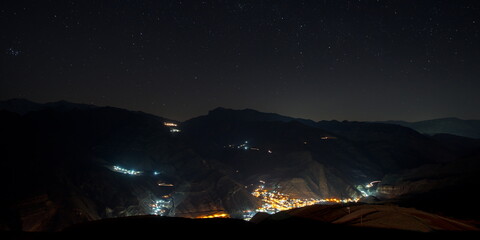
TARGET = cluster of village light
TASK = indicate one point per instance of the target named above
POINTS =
(244, 146)
(368, 189)
(161, 207)
(133, 172)
(274, 201)
(215, 215)
(126, 171)
(172, 126)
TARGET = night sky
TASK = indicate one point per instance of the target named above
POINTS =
(356, 60)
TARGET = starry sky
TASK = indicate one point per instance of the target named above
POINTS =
(361, 60)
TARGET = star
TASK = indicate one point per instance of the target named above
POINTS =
(13, 52)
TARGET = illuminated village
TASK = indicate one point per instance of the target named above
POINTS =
(274, 201)
(126, 171)
(172, 126)
(161, 207)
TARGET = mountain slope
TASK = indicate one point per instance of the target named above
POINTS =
(59, 169)
(328, 158)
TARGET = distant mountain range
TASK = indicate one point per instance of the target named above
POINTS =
(454, 126)
(23, 106)
(65, 163)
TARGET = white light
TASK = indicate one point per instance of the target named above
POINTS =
(126, 171)
(160, 207)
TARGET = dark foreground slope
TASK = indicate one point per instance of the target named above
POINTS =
(294, 227)
(339, 221)
(375, 216)
(333, 220)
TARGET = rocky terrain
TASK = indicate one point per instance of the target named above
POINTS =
(64, 164)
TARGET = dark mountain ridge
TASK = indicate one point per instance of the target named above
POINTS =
(23, 106)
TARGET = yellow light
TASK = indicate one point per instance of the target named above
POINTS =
(274, 201)
(169, 124)
(216, 215)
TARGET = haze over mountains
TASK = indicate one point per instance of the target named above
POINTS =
(455, 126)
(67, 163)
